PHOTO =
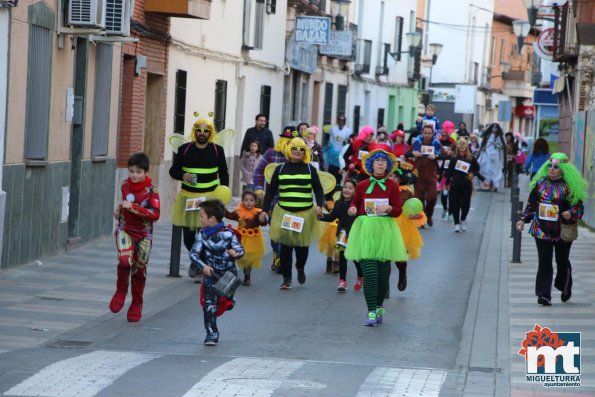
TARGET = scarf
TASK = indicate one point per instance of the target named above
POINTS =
(374, 181)
(210, 230)
(138, 186)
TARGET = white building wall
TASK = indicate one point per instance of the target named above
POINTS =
(376, 22)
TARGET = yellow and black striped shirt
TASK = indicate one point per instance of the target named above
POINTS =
(208, 164)
(297, 184)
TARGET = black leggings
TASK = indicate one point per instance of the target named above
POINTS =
(460, 201)
(545, 271)
(189, 237)
(343, 267)
(444, 200)
(301, 256)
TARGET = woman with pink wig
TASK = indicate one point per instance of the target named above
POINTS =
(356, 151)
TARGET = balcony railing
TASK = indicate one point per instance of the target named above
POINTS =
(585, 21)
(518, 75)
(309, 7)
(565, 40)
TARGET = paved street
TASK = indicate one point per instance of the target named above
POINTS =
(455, 331)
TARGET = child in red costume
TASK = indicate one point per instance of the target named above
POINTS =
(134, 235)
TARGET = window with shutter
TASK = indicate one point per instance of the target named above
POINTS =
(101, 100)
(220, 104)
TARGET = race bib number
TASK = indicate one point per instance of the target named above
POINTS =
(462, 166)
(446, 163)
(431, 123)
(193, 204)
(361, 154)
(342, 238)
(548, 212)
(370, 205)
(292, 223)
(427, 150)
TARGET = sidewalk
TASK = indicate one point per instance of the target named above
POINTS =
(503, 308)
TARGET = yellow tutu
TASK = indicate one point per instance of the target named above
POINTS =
(191, 219)
(328, 240)
(254, 248)
(411, 236)
(311, 230)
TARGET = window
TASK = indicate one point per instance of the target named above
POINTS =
(180, 102)
(503, 50)
(265, 101)
(493, 52)
(328, 104)
(356, 118)
(398, 38)
(253, 28)
(38, 93)
(341, 99)
(364, 56)
(271, 7)
(101, 101)
(220, 104)
(380, 117)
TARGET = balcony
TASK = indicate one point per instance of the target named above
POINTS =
(198, 9)
(565, 40)
(585, 21)
(517, 83)
(485, 83)
(309, 7)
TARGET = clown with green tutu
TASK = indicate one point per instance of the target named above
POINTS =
(375, 239)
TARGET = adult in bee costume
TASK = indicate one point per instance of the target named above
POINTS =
(201, 167)
(294, 220)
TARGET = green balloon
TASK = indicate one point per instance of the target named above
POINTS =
(413, 206)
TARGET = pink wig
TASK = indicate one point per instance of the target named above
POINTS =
(364, 132)
(448, 126)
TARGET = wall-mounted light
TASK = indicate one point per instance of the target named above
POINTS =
(521, 30)
(435, 50)
(339, 9)
(413, 39)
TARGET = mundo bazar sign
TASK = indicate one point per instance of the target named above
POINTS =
(312, 30)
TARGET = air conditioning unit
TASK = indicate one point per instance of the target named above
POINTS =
(358, 68)
(117, 17)
(86, 13)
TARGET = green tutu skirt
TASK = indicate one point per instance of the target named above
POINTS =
(181, 216)
(377, 238)
(311, 230)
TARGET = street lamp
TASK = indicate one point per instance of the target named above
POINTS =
(521, 30)
(435, 50)
(532, 9)
(413, 39)
(340, 8)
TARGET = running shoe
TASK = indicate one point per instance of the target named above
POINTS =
(565, 296)
(342, 287)
(359, 283)
(430, 223)
(286, 285)
(542, 300)
(464, 226)
(301, 276)
(457, 229)
(371, 320)
(379, 315)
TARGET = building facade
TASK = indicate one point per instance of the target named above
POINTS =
(61, 120)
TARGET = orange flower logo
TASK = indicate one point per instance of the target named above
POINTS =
(249, 232)
(540, 337)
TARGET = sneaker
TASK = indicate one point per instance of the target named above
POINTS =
(342, 287)
(371, 320)
(359, 283)
(192, 270)
(464, 226)
(443, 216)
(301, 276)
(457, 229)
(542, 300)
(211, 340)
(430, 223)
(565, 296)
(246, 281)
(286, 285)
(379, 315)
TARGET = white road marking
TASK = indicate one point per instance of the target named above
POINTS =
(402, 382)
(250, 377)
(81, 376)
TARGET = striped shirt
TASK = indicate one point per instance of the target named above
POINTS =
(294, 182)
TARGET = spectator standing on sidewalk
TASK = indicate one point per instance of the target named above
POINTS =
(555, 202)
(248, 163)
(338, 137)
(259, 133)
(134, 235)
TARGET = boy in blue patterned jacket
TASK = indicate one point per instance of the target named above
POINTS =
(214, 252)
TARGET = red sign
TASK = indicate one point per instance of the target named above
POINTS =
(527, 112)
